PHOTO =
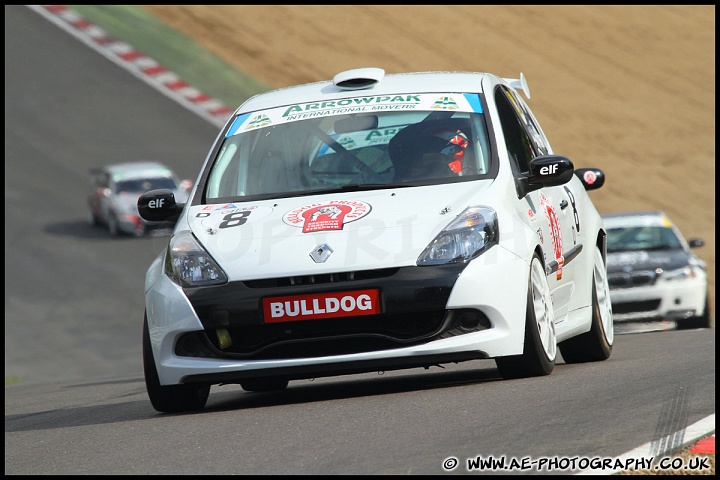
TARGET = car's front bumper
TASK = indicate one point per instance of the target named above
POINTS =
(185, 325)
(674, 300)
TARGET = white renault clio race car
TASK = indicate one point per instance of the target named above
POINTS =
(371, 223)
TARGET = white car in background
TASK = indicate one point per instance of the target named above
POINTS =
(371, 223)
(115, 189)
(653, 272)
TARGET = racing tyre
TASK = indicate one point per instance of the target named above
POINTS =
(92, 220)
(172, 398)
(540, 350)
(264, 384)
(113, 225)
(703, 321)
(596, 344)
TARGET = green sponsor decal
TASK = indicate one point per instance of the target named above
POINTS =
(445, 103)
(260, 120)
(351, 102)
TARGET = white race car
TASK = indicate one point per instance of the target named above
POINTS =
(652, 271)
(114, 191)
(370, 223)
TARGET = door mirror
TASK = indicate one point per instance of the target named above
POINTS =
(696, 242)
(545, 171)
(591, 178)
(159, 205)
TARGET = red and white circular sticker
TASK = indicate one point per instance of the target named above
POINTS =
(589, 177)
(332, 215)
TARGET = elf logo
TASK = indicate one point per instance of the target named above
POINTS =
(549, 169)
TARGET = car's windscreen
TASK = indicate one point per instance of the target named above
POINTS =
(364, 142)
(144, 185)
(642, 238)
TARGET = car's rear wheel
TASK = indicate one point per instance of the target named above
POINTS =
(596, 344)
(264, 384)
(702, 321)
(540, 348)
(170, 398)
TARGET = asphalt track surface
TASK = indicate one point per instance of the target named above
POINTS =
(73, 314)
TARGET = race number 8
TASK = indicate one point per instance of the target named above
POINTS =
(234, 219)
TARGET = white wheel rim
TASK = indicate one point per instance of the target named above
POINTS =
(602, 292)
(544, 314)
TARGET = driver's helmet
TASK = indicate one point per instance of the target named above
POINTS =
(430, 149)
(454, 149)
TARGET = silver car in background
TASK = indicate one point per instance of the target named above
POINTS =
(115, 189)
(653, 272)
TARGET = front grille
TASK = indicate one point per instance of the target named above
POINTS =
(337, 336)
(321, 279)
(632, 307)
(634, 279)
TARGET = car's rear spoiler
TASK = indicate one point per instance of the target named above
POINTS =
(519, 84)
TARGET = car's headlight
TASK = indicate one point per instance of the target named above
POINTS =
(677, 274)
(467, 236)
(189, 265)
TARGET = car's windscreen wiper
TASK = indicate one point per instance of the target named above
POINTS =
(351, 187)
(643, 248)
(663, 247)
(372, 186)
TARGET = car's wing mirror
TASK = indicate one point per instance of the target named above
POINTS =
(545, 171)
(591, 178)
(159, 205)
(696, 242)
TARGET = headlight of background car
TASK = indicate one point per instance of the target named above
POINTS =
(189, 265)
(677, 274)
(467, 236)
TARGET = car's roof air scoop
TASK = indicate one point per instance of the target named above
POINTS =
(519, 84)
(358, 78)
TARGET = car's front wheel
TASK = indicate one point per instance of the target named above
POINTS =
(540, 348)
(92, 220)
(170, 398)
(113, 226)
(596, 344)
